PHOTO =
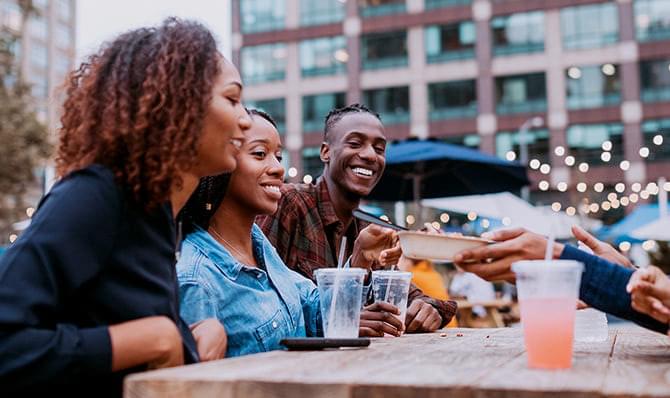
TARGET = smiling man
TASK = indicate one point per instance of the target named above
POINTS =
(312, 219)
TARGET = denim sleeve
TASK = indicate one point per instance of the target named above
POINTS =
(67, 244)
(311, 304)
(604, 287)
(196, 302)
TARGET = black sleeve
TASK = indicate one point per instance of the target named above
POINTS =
(67, 244)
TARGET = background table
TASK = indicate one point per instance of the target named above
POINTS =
(464, 363)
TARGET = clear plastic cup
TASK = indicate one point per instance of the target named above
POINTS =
(340, 292)
(548, 292)
(392, 287)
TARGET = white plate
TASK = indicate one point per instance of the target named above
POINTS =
(423, 246)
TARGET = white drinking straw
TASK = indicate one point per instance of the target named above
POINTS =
(548, 254)
(336, 285)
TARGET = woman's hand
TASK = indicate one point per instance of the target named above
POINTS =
(650, 293)
(380, 318)
(600, 248)
(211, 339)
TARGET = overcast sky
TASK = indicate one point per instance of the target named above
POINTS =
(99, 21)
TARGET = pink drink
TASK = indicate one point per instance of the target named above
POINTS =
(548, 325)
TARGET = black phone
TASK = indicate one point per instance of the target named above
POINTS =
(320, 343)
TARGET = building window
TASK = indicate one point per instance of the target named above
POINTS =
(262, 15)
(590, 26)
(11, 15)
(432, 4)
(39, 55)
(311, 162)
(323, 56)
(467, 140)
(275, 107)
(537, 142)
(64, 8)
(521, 94)
(593, 86)
(659, 148)
(452, 100)
(391, 103)
(39, 28)
(373, 8)
(315, 108)
(384, 50)
(320, 12)
(62, 65)
(40, 88)
(586, 142)
(655, 80)
(63, 36)
(652, 19)
(263, 63)
(450, 42)
(518, 33)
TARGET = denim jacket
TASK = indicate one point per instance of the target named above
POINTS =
(257, 306)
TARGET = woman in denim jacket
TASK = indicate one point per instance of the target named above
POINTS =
(228, 268)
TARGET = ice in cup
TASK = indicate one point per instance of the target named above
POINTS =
(340, 293)
(548, 292)
(393, 288)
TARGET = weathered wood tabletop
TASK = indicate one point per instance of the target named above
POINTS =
(466, 363)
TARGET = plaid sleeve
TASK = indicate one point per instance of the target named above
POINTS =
(446, 308)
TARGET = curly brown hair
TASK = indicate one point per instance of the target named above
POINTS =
(138, 105)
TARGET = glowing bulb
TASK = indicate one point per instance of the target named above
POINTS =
(598, 187)
(556, 206)
(605, 157)
(581, 187)
(620, 187)
(636, 187)
(644, 195)
(583, 167)
(30, 211)
(608, 69)
(624, 246)
(593, 207)
(507, 221)
(559, 151)
(611, 196)
(436, 225)
(510, 156)
(666, 186)
(615, 204)
(534, 164)
(292, 172)
(486, 223)
(652, 188)
(658, 139)
(307, 179)
(543, 185)
(410, 219)
(605, 206)
(607, 146)
(569, 160)
(571, 211)
(444, 217)
(472, 216)
(574, 72)
(648, 245)
(624, 165)
(384, 217)
(545, 169)
(625, 201)
(644, 152)
(634, 198)
(562, 186)
(12, 238)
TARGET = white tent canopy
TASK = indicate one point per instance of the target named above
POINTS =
(505, 205)
(657, 230)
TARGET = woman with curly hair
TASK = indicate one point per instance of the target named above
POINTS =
(88, 293)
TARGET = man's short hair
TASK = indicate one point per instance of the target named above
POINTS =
(337, 114)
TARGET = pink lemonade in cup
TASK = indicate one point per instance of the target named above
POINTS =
(548, 320)
(548, 292)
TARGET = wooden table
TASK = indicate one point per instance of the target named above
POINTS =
(466, 363)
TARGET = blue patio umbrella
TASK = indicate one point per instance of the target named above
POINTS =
(620, 231)
(420, 169)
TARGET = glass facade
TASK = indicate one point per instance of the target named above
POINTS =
(39, 28)
(467, 140)
(64, 10)
(432, 4)
(585, 142)
(655, 80)
(315, 108)
(652, 19)
(537, 142)
(384, 50)
(323, 56)
(39, 55)
(275, 107)
(311, 162)
(521, 94)
(373, 8)
(590, 26)
(263, 63)
(518, 33)
(651, 129)
(392, 104)
(262, 15)
(63, 36)
(593, 86)
(320, 12)
(452, 100)
(450, 42)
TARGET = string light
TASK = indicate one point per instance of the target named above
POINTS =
(658, 140)
(648, 245)
(444, 217)
(556, 206)
(605, 205)
(510, 155)
(666, 186)
(410, 219)
(384, 217)
(545, 169)
(559, 151)
(292, 172)
(583, 167)
(574, 72)
(571, 211)
(486, 223)
(598, 187)
(307, 179)
(436, 225)
(581, 187)
(30, 211)
(507, 221)
(534, 164)
(624, 246)
(593, 207)
(569, 160)
(12, 238)
(620, 187)
(634, 198)
(652, 188)
(605, 157)
(615, 204)
(644, 194)
(611, 196)
(636, 187)
(562, 186)
(624, 165)
(608, 70)
(625, 201)
(543, 185)
(607, 146)
(644, 152)
(472, 216)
